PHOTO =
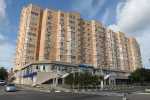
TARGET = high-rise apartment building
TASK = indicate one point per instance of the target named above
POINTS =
(50, 35)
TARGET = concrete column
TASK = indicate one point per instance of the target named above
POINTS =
(109, 81)
(55, 82)
(63, 81)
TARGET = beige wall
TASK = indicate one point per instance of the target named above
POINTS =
(134, 55)
(110, 50)
(28, 37)
(122, 59)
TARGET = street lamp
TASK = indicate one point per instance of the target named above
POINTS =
(149, 61)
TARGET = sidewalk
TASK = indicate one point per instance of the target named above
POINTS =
(27, 87)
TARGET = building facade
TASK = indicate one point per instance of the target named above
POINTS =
(29, 35)
(111, 61)
(54, 73)
(121, 49)
(134, 54)
(52, 35)
(60, 36)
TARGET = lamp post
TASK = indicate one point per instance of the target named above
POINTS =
(102, 81)
(73, 81)
(149, 61)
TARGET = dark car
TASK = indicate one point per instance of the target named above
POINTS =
(2, 82)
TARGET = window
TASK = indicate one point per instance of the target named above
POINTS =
(37, 67)
(62, 15)
(73, 57)
(62, 44)
(44, 67)
(32, 34)
(49, 17)
(61, 56)
(34, 13)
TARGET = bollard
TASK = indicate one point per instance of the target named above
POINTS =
(124, 97)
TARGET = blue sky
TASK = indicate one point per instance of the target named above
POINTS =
(123, 15)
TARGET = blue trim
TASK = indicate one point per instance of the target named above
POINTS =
(83, 65)
(30, 74)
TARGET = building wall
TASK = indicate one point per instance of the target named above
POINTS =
(98, 37)
(48, 35)
(28, 37)
(134, 54)
(60, 36)
(86, 42)
(122, 57)
(92, 43)
(110, 50)
(39, 73)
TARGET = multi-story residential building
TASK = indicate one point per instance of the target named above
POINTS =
(134, 55)
(51, 35)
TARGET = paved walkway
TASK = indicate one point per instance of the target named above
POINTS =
(102, 93)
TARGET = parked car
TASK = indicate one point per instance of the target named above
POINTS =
(10, 88)
(2, 82)
(57, 91)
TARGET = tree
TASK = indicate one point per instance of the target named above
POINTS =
(140, 75)
(82, 79)
(3, 73)
(69, 79)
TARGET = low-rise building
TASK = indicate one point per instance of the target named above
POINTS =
(54, 73)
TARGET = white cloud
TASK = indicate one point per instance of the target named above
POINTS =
(2, 8)
(106, 16)
(6, 54)
(2, 37)
(133, 17)
(144, 41)
(114, 27)
(90, 8)
(6, 47)
(2, 17)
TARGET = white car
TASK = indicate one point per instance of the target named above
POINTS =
(10, 88)
(57, 91)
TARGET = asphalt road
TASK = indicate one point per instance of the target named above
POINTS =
(22, 94)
